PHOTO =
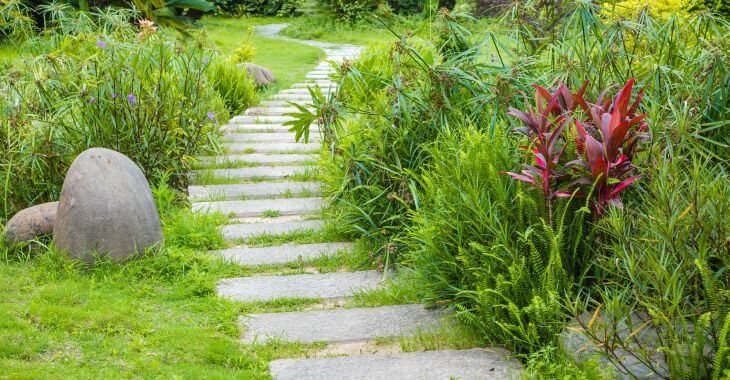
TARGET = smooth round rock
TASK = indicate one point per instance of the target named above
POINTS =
(261, 75)
(106, 207)
(30, 223)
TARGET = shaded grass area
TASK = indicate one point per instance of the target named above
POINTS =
(289, 61)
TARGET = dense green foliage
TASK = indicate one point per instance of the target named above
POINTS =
(100, 81)
(420, 133)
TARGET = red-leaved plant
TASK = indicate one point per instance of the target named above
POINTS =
(606, 142)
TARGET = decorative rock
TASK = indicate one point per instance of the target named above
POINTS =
(260, 74)
(106, 206)
(30, 223)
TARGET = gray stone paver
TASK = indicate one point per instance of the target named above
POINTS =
(341, 325)
(281, 254)
(327, 286)
(273, 147)
(473, 364)
(252, 190)
(248, 230)
(258, 158)
(263, 137)
(261, 119)
(256, 172)
(256, 207)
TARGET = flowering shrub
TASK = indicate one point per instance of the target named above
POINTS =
(128, 89)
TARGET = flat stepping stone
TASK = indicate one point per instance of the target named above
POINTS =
(260, 128)
(280, 103)
(281, 254)
(327, 286)
(300, 91)
(273, 147)
(261, 119)
(473, 364)
(248, 230)
(252, 190)
(257, 207)
(320, 84)
(253, 172)
(258, 158)
(271, 111)
(293, 97)
(264, 137)
(340, 325)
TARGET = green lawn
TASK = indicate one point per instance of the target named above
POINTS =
(288, 60)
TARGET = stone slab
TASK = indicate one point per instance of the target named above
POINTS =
(248, 230)
(340, 325)
(327, 286)
(258, 158)
(293, 97)
(261, 119)
(252, 190)
(263, 137)
(281, 254)
(280, 103)
(270, 111)
(256, 207)
(472, 364)
(301, 91)
(255, 172)
(260, 128)
(273, 147)
(320, 84)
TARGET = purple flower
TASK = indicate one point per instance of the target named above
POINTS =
(132, 99)
(205, 61)
(92, 100)
(115, 95)
(101, 44)
(211, 115)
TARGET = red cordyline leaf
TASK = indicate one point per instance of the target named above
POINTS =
(605, 142)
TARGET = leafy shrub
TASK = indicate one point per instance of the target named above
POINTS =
(259, 7)
(351, 10)
(147, 97)
(234, 85)
(667, 258)
(481, 242)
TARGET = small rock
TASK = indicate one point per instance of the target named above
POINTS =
(106, 206)
(30, 223)
(261, 75)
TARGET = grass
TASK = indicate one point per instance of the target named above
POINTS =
(289, 61)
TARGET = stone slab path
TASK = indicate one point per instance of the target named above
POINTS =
(263, 183)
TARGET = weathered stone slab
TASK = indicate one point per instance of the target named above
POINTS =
(270, 111)
(273, 147)
(255, 207)
(261, 119)
(264, 137)
(301, 91)
(328, 286)
(247, 230)
(327, 84)
(258, 158)
(340, 325)
(473, 364)
(255, 172)
(293, 97)
(252, 190)
(281, 254)
(260, 128)
(280, 103)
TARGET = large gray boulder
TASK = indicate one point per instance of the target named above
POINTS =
(261, 75)
(30, 223)
(106, 207)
